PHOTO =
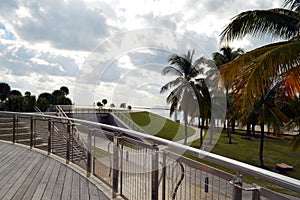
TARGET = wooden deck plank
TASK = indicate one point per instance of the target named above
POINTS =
(75, 194)
(17, 181)
(9, 158)
(59, 183)
(15, 168)
(31, 190)
(25, 186)
(66, 193)
(51, 183)
(27, 174)
(42, 185)
(93, 192)
(84, 189)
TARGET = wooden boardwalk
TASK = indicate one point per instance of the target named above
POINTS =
(28, 174)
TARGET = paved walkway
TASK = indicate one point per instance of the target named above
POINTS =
(28, 174)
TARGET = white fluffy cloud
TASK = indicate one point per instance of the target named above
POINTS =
(43, 44)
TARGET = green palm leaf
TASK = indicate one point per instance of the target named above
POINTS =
(278, 22)
(254, 72)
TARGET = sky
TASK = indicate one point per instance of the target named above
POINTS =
(110, 49)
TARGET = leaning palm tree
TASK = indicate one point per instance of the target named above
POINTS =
(183, 91)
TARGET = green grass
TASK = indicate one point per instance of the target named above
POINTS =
(247, 151)
(99, 153)
(159, 126)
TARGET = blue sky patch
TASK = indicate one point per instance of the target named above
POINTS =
(8, 35)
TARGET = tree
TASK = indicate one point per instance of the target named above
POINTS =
(227, 55)
(15, 93)
(29, 102)
(4, 91)
(112, 105)
(185, 70)
(104, 102)
(59, 97)
(64, 90)
(99, 104)
(254, 73)
(44, 101)
(27, 93)
(43, 104)
(204, 102)
(123, 105)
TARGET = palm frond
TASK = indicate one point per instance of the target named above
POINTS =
(292, 4)
(290, 83)
(171, 84)
(254, 72)
(171, 70)
(273, 23)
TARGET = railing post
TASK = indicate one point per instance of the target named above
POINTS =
(89, 154)
(68, 143)
(14, 129)
(121, 166)
(31, 132)
(164, 176)
(255, 193)
(49, 136)
(154, 173)
(237, 187)
(115, 165)
(72, 136)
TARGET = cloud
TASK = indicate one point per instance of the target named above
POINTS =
(44, 45)
(65, 25)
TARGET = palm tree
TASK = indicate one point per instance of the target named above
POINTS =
(227, 55)
(257, 70)
(254, 74)
(204, 102)
(184, 91)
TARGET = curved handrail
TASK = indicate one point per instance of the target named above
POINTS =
(274, 178)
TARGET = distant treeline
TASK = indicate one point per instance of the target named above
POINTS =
(13, 100)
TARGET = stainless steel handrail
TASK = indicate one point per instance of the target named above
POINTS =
(262, 174)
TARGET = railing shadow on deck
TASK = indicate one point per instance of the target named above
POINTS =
(140, 166)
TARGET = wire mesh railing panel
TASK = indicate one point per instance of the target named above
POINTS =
(102, 152)
(186, 182)
(136, 169)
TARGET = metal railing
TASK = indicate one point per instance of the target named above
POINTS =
(139, 166)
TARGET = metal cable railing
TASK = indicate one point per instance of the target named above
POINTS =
(140, 169)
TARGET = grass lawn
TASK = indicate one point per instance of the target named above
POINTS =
(244, 150)
(159, 126)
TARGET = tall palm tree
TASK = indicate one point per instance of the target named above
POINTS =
(183, 90)
(227, 55)
(204, 102)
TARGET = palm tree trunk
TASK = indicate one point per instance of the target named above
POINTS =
(262, 137)
(185, 116)
(212, 126)
(201, 132)
(233, 125)
(201, 129)
(248, 128)
(253, 130)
